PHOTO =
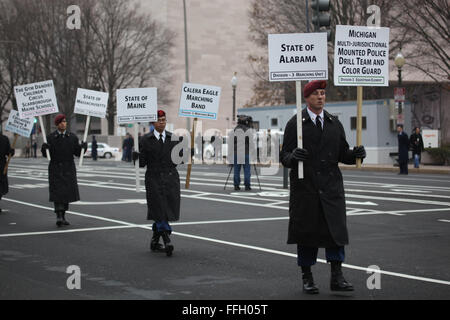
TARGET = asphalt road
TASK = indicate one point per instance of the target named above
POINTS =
(228, 245)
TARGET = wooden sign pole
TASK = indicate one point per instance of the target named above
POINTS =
(9, 156)
(359, 121)
(188, 174)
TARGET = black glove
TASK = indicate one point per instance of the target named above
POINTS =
(300, 154)
(12, 152)
(45, 146)
(135, 155)
(84, 146)
(359, 152)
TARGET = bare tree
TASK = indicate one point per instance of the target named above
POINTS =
(47, 49)
(134, 51)
(267, 17)
(116, 47)
(288, 16)
(17, 64)
(427, 24)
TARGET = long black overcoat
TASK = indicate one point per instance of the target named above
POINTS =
(62, 174)
(162, 182)
(403, 147)
(317, 212)
(5, 149)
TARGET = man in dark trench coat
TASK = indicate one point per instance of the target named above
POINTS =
(5, 150)
(162, 182)
(62, 175)
(403, 149)
(317, 214)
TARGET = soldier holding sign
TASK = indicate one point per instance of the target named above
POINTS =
(162, 182)
(5, 150)
(62, 175)
(317, 214)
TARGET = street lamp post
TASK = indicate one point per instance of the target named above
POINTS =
(234, 81)
(399, 62)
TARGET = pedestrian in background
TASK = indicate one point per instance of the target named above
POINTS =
(127, 148)
(94, 147)
(27, 150)
(403, 149)
(35, 149)
(62, 175)
(317, 212)
(416, 144)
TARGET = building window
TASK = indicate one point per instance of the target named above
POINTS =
(353, 123)
(274, 122)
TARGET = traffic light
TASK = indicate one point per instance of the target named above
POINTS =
(321, 16)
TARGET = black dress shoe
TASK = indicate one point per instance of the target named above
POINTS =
(237, 188)
(168, 247)
(64, 221)
(308, 285)
(59, 219)
(248, 188)
(338, 283)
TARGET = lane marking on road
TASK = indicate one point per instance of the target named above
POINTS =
(264, 205)
(119, 201)
(444, 220)
(50, 232)
(282, 253)
(124, 174)
(415, 179)
(235, 244)
(40, 233)
(420, 201)
(399, 193)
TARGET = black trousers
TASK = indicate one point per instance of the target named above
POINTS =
(59, 206)
(403, 167)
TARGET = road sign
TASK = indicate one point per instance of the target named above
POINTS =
(298, 56)
(136, 105)
(399, 94)
(91, 103)
(36, 99)
(18, 125)
(361, 56)
(199, 101)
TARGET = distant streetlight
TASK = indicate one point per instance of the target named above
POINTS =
(234, 81)
(399, 62)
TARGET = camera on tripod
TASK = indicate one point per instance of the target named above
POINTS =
(245, 120)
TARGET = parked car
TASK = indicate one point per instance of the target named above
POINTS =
(103, 151)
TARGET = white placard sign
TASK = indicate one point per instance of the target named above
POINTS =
(199, 101)
(298, 56)
(21, 126)
(361, 56)
(91, 103)
(137, 105)
(36, 99)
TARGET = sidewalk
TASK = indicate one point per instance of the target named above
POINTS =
(391, 168)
